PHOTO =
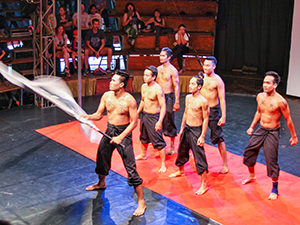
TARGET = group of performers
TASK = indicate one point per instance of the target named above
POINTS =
(205, 107)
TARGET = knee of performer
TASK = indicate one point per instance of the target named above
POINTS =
(159, 146)
(134, 181)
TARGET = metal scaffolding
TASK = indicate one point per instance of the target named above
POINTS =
(44, 25)
(44, 57)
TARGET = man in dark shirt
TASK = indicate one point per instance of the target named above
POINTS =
(95, 41)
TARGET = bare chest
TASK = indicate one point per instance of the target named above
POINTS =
(149, 94)
(194, 106)
(116, 106)
(164, 76)
(269, 106)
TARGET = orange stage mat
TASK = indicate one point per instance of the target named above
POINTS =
(227, 200)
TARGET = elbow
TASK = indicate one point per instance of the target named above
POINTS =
(134, 123)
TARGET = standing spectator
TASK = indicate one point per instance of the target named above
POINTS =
(131, 23)
(95, 41)
(181, 46)
(62, 50)
(101, 6)
(158, 25)
(85, 19)
(93, 14)
(64, 19)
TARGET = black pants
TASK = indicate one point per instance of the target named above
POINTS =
(106, 149)
(178, 53)
(216, 131)
(269, 140)
(159, 31)
(188, 140)
(169, 127)
(148, 133)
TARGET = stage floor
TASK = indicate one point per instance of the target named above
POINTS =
(42, 181)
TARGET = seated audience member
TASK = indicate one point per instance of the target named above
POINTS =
(85, 19)
(101, 6)
(62, 50)
(93, 14)
(132, 23)
(74, 48)
(181, 46)
(95, 41)
(158, 26)
(64, 19)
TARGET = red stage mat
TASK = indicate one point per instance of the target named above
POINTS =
(227, 200)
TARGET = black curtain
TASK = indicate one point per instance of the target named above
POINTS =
(254, 33)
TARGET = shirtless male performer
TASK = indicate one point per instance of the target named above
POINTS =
(122, 119)
(153, 109)
(214, 91)
(168, 79)
(270, 107)
(192, 132)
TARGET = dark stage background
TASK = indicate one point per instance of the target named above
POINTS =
(254, 34)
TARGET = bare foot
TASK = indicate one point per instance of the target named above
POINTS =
(201, 191)
(171, 151)
(273, 196)
(140, 209)
(96, 187)
(141, 157)
(176, 174)
(249, 180)
(224, 170)
(162, 169)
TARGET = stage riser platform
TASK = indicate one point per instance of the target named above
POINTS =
(140, 63)
(183, 81)
(200, 42)
(191, 8)
(94, 86)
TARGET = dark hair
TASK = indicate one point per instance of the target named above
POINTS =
(153, 69)
(64, 7)
(181, 25)
(95, 20)
(168, 51)
(156, 10)
(124, 76)
(91, 6)
(128, 4)
(199, 78)
(275, 75)
(212, 58)
(56, 29)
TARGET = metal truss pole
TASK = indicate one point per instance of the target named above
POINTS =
(43, 38)
(43, 44)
